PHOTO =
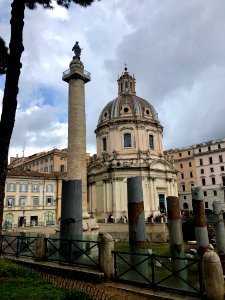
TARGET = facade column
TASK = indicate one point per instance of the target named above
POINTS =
(156, 201)
(152, 197)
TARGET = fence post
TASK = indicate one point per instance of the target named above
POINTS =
(106, 255)
(213, 276)
(220, 231)
(41, 247)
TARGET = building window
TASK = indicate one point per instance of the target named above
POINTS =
(51, 158)
(182, 175)
(36, 201)
(183, 187)
(51, 168)
(45, 169)
(191, 174)
(210, 160)
(201, 162)
(222, 168)
(180, 154)
(215, 193)
(189, 152)
(22, 201)
(151, 141)
(62, 168)
(9, 220)
(213, 180)
(223, 180)
(185, 197)
(206, 205)
(11, 187)
(24, 187)
(203, 181)
(220, 158)
(181, 166)
(185, 205)
(46, 160)
(104, 144)
(10, 202)
(205, 193)
(211, 170)
(219, 146)
(49, 201)
(209, 148)
(49, 217)
(199, 150)
(49, 188)
(127, 140)
(35, 187)
(190, 165)
(192, 184)
(62, 158)
(202, 171)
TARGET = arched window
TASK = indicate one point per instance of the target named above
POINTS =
(9, 220)
(127, 140)
(104, 144)
(151, 141)
(49, 217)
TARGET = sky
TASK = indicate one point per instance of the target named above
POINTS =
(175, 49)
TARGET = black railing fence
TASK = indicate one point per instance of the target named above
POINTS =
(183, 274)
(18, 245)
(80, 252)
(71, 250)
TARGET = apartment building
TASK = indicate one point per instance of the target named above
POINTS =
(200, 165)
(54, 160)
(210, 168)
(32, 198)
(186, 177)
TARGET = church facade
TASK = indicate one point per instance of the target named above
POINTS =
(129, 143)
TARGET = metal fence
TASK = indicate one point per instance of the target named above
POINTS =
(159, 271)
(19, 245)
(74, 251)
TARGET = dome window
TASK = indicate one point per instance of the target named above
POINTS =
(151, 141)
(126, 86)
(147, 111)
(105, 114)
(104, 144)
(127, 140)
(126, 109)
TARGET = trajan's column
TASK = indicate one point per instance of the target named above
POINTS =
(76, 76)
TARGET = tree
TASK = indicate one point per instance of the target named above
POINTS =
(10, 65)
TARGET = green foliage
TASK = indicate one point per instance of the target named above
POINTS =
(18, 282)
(49, 3)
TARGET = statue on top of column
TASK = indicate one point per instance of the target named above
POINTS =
(77, 50)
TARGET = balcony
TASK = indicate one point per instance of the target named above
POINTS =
(76, 72)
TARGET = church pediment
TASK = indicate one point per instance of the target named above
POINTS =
(161, 164)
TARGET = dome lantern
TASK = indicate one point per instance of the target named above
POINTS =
(126, 83)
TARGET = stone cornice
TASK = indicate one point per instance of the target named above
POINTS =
(109, 124)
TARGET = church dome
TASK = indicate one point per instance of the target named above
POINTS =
(127, 104)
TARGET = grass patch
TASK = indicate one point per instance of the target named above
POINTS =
(18, 282)
(157, 248)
